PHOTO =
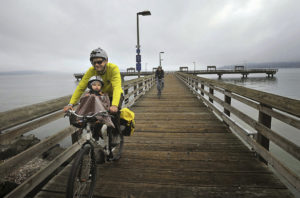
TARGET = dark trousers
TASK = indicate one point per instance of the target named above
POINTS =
(116, 117)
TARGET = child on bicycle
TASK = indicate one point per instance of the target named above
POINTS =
(95, 87)
(95, 101)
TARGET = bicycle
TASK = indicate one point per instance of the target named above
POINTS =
(159, 86)
(82, 178)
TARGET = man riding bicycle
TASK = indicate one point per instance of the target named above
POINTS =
(159, 76)
(111, 77)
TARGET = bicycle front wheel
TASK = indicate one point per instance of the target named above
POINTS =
(82, 178)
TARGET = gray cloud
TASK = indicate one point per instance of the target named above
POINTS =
(59, 35)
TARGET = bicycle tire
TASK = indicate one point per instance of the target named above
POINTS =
(84, 164)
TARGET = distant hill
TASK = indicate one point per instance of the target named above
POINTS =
(21, 72)
(266, 65)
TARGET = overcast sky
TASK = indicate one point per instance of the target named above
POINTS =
(58, 35)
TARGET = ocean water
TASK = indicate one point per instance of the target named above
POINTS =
(21, 90)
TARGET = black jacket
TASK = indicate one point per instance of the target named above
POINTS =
(159, 74)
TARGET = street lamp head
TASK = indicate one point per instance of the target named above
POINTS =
(144, 13)
(161, 52)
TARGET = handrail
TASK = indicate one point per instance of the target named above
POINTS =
(24, 114)
(133, 90)
(268, 105)
(284, 104)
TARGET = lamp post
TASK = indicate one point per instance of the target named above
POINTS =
(160, 58)
(194, 66)
(138, 51)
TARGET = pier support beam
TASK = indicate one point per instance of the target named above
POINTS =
(220, 75)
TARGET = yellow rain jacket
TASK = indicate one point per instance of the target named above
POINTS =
(111, 79)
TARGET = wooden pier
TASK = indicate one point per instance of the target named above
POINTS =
(181, 149)
(244, 72)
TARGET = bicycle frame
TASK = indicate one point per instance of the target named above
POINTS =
(103, 142)
(79, 181)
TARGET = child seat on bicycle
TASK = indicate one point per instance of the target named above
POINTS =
(93, 102)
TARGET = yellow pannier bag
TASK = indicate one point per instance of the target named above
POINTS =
(127, 121)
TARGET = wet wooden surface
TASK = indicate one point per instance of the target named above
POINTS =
(179, 149)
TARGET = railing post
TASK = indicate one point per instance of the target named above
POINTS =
(152, 81)
(202, 87)
(134, 88)
(125, 93)
(122, 78)
(196, 85)
(192, 83)
(211, 91)
(140, 85)
(146, 84)
(227, 99)
(261, 139)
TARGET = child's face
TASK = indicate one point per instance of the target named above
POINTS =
(96, 86)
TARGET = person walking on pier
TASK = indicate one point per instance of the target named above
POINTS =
(111, 77)
(159, 75)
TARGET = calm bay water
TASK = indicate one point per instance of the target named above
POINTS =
(21, 90)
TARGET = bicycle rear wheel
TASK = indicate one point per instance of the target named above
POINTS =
(82, 178)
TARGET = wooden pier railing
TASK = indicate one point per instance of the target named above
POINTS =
(17, 122)
(268, 106)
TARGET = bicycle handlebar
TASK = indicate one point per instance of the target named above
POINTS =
(100, 113)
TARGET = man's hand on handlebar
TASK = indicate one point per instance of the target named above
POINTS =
(113, 109)
(68, 107)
